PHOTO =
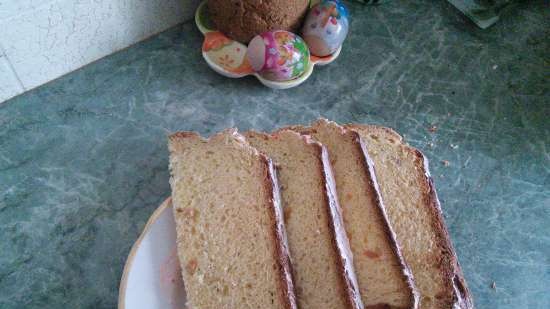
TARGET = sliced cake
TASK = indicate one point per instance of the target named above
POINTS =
(383, 277)
(322, 264)
(230, 233)
(415, 215)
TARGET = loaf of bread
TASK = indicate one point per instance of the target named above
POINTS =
(415, 214)
(230, 233)
(321, 258)
(384, 278)
(241, 20)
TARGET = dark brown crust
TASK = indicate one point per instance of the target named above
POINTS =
(241, 20)
(392, 237)
(451, 269)
(334, 218)
(286, 282)
(458, 291)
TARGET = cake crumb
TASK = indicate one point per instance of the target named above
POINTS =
(191, 266)
(453, 146)
(431, 145)
(445, 162)
(433, 129)
(372, 254)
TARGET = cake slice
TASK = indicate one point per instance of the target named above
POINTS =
(230, 234)
(383, 276)
(415, 214)
(321, 258)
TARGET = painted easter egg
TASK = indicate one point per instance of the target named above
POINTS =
(326, 27)
(278, 55)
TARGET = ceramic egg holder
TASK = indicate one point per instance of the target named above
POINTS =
(228, 57)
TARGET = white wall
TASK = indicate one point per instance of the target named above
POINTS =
(41, 40)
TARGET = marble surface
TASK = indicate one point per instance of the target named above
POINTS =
(83, 160)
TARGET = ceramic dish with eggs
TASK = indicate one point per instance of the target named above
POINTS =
(279, 59)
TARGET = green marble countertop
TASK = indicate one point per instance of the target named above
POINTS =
(83, 160)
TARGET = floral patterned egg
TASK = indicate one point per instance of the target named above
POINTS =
(326, 27)
(278, 55)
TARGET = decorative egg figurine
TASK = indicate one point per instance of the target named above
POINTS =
(326, 27)
(278, 55)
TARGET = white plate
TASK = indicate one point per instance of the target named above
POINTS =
(152, 274)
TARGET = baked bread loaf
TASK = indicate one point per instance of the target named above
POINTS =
(384, 278)
(321, 258)
(241, 20)
(230, 233)
(415, 215)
